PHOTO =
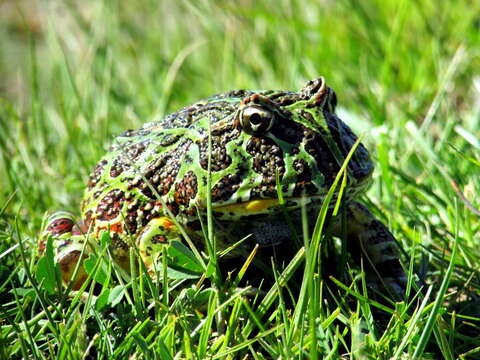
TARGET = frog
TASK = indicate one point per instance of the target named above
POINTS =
(254, 155)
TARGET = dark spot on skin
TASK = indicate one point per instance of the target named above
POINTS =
(173, 207)
(129, 154)
(146, 188)
(134, 133)
(96, 174)
(294, 150)
(161, 173)
(131, 217)
(118, 167)
(220, 160)
(159, 239)
(282, 98)
(267, 160)
(186, 189)
(326, 163)
(118, 243)
(303, 185)
(227, 186)
(313, 91)
(218, 215)
(110, 206)
(307, 116)
(233, 94)
(165, 140)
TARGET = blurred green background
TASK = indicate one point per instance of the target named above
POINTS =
(154, 56)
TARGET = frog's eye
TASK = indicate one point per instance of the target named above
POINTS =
(255, 120)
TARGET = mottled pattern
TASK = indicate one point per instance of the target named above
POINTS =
(256, 144)
(300, 142)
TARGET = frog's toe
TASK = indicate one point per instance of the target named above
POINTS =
(68, 259)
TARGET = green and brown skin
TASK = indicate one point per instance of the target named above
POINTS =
(256, 137)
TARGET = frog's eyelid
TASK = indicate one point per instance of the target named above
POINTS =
(263, 119)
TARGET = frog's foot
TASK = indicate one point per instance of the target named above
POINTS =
(68, 242)
(376, 242)
(158, 233)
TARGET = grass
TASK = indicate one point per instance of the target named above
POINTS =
(406, 74)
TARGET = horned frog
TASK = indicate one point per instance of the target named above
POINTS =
(255, 146)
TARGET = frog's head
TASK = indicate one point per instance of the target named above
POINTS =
(284, 142)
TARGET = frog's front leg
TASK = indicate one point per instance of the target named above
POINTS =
(372, 239)
(68, 242)
(158, 233)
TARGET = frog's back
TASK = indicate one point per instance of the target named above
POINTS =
(255, 147)
(162, 168)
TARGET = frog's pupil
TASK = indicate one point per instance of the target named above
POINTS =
(255, 119)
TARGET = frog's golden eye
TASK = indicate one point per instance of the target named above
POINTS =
(256, 121)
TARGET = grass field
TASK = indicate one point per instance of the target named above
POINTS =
(407, 75)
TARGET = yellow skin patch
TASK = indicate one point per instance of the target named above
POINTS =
(253, 206)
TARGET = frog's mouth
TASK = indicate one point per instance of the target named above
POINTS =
(253, 207)
(272, 206)
(259, 218)
(265, 206)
